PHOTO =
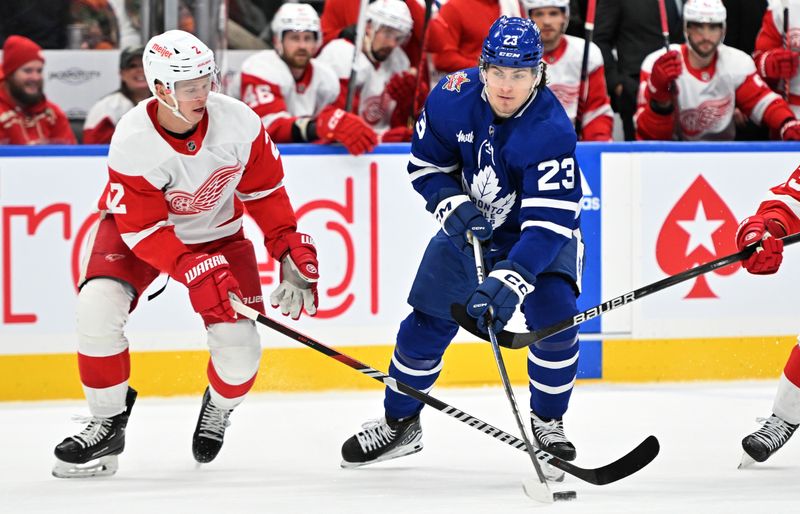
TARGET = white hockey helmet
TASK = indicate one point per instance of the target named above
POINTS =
(704, 11)
(529, 5)
(174, 56)
(295, 18)
(390, 13)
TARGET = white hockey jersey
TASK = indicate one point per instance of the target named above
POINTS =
(707, 98)
(564, 77)
(268, 87)
(103, 117)
(374, 105)
(772, 36)
(166, 192)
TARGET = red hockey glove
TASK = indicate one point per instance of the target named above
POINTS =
(790, 131)
(337, 125)
(401, 89)
(299, 275)
(209, 279)
(779, 63)
(397, 135)
(767, 259)
(666, 70)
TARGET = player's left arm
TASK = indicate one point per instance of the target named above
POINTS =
(550, 203)
(262, 192)
(756, 100)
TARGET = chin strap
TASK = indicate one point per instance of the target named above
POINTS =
(174, 110)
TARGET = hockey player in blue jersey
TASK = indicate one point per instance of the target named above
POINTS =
(493, 154)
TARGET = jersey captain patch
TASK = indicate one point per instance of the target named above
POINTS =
(455, 80)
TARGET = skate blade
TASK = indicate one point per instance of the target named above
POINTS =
(399, 452)
(102, 467)
(746, 461)
(536, 490)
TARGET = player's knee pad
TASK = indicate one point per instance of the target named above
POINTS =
(425, 337)
(552, 301)
(103, 307)
(235, 350)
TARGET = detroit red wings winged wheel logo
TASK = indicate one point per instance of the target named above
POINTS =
(699, 228)
(207, 195)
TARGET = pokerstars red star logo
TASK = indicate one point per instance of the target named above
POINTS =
(698, 229)
(454, 81)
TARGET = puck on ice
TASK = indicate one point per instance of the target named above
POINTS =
(565, 496)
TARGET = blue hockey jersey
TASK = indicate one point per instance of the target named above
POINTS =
(520, 172)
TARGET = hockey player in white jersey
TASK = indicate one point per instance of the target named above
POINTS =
(384, 84)
(776, 217)
(775, 61)
(702, 82)
(294, 93)
(182, 169)
(563, 55)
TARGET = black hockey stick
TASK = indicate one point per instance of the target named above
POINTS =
(516, 340)
(629, 464)
(537, 488)
(423, 61)
(583, 88)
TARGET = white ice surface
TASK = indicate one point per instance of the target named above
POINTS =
(281, 455)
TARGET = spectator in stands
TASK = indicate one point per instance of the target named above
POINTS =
(563, 55)
(26, 116)
(106, 113)
(775, 63)
(633, 28)
(293, 93)
(384, 85)
(342, 15)
(42, 21)
(456, 34)
(691, 91)
(98, 21)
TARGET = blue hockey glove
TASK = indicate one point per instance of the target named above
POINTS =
(503, 289)
(458, 215)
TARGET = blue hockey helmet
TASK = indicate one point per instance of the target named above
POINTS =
(512, 42)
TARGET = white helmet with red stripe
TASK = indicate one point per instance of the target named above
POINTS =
(293, 17)
(537, 4)
(175, 56)
(704, 11)
(390, 13)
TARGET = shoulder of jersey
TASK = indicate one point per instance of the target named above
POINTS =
(269, 67)
(232, 116)
(734, 61)
(549, 126)
(112, 106)
(338, 54)
(325, 71)
(454, 93)
(647, 63)
(575, 46)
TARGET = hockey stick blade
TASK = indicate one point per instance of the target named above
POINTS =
(517, 340)
(626, 466)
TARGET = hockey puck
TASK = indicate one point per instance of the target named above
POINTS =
(565, 496)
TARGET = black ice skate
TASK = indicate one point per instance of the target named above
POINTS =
(765, 441)
(549, 436)
(382, 439)
(210, 431)
(93, 452)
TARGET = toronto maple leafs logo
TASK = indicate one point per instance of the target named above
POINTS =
(207, 195)
(486, 191)
(455, 80)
